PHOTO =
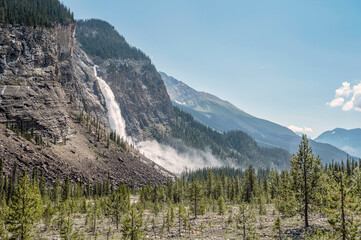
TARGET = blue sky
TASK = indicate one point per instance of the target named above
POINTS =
(277, 60)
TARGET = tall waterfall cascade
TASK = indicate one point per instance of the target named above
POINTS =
(115, 118)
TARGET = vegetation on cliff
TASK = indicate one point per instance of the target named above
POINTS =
(236, 146)
(35, 13)
(99, 38)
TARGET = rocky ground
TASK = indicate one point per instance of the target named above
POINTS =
(208, 226)
(81, 157)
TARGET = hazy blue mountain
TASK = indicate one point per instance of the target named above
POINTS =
(223, 116)
(347, 140)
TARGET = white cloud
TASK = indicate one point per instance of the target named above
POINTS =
(351, 97)
(345, 90)
(336, 102)
(300, 129)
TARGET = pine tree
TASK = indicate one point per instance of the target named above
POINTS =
(94, 214)
(277, 228)
(246, 222)
(344, 209)
(118, 204)
(181, 215)
(196, 195)
(3, 217)
(67, 232)
(305, 169)
(48, 215)
(169, 220)
(24, 210)
(132, 225)
(286, 197)
(250, 184)
(221, 206)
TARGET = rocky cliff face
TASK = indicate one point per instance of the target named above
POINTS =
(41, 71)
(140, 93)
(136, 84)
(46, 81)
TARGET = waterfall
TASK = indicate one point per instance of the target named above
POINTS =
(116, 121)
(161, 154)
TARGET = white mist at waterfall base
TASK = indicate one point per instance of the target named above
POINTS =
(164, 155)
(115, 118)
(178, 161)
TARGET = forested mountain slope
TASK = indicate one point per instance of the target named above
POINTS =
(223, 116)
(235, 148)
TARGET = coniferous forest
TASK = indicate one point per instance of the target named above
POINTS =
(42, 13)
(310, 201)
(113, 46)
(236, 146)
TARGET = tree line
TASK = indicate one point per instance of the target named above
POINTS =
(37, 13)
(234, 147)
(332, 190)
(99, 38)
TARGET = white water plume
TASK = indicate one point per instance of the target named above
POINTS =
(177, 161)
(166, 156)
(115, 118)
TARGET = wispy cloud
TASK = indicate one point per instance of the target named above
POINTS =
(300, 129)
(348, 98)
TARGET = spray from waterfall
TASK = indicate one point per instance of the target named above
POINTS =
(115, 118)
(162, 154)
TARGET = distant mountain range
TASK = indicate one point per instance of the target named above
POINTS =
(223, 116)
(347, 140)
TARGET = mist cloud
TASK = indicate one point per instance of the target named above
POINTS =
(177, 160)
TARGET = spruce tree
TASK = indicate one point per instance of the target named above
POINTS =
(250, 184)
(221, 206)
(277, 228)
(24, 210)
(245, 220)
(132, 225)
(118, 204)
(286, 197)
(344, 208)
(3, 216)
(305, 169)
(181, 215)
(196, 197)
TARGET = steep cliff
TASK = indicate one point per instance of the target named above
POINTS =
(46, 83)
(42, 70)
(137, 86)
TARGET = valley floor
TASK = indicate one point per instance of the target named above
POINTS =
(211, 225)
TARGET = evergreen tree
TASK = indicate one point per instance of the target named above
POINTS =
(67, 232)
(250, 184)
(246, 222)
(196, 197)
(181, 215)
(277, 228)
(3, 217)
(221, 206)
(286, 197)
(132, 225)
(24, 210)
(344, 209)
(118, 204)
(305, 169)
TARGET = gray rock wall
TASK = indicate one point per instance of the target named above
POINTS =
(41, 70)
